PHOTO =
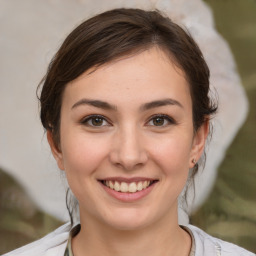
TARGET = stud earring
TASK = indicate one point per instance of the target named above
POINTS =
(194, 161)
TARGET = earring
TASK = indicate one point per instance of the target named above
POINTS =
(194, 161)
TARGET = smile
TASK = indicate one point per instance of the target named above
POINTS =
(125, 187)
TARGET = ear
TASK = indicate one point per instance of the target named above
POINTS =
(55, 151)
(198, 143)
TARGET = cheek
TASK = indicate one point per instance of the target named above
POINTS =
(83, 154)
(173, 155)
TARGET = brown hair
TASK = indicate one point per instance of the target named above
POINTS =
(116, 33)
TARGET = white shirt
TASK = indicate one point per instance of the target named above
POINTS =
(54, 244)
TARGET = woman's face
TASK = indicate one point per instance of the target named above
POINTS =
(127, 140)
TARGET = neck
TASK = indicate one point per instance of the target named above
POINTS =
(164, 238)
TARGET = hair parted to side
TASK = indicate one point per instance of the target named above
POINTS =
(115, 34)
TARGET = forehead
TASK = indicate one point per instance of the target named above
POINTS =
(145, 76)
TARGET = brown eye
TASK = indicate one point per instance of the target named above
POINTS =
(95, 121)
(158, 121)
(161, 121)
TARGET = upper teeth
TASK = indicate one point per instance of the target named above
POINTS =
(127, 187)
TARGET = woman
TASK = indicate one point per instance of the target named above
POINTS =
(126, 107)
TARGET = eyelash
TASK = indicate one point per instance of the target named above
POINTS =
(167, 118)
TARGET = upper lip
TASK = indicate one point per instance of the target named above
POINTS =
(128, 180)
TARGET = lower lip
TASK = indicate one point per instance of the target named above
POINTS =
(128, 197)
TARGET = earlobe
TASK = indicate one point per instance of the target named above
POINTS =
(57, 154)
(199, 143)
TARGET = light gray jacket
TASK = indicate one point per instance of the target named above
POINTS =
(54, 244)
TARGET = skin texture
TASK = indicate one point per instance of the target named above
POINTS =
(128, 143)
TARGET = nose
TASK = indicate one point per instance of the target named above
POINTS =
(128, 149)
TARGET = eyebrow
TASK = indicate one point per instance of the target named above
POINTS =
(144, 107)
(95, 103)
(160, 103)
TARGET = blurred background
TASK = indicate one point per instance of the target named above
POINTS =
(230, 210)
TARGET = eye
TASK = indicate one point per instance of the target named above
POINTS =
(95, 121)
(161, 120)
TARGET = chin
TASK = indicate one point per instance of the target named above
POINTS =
(129, 219)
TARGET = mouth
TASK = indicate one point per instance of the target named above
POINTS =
(128, 187)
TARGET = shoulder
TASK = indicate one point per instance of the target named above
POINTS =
(53, 244)
(208, 245)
